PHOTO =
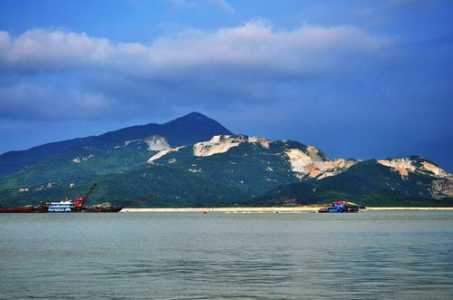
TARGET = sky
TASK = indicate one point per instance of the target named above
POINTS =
(358, 79)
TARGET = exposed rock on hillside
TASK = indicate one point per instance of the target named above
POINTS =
(311, 163)
(194, 161)
(222, 143)
(157, 143)
(417, 165)
(162, 153)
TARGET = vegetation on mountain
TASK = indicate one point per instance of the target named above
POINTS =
(195, 161)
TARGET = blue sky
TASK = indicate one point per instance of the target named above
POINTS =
(356, 78)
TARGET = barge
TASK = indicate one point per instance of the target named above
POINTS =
(66, 206)
(340, 206)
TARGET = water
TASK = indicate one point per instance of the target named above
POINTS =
(370, 255)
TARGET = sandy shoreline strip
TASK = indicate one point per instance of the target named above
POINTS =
(227, 209)
(409, 208)
(295, 209)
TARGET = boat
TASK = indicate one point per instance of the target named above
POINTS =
(340, 206)
(66, 206)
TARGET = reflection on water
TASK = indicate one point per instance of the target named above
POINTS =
(371, 255)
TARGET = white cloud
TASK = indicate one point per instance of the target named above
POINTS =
(78, 75)
(253, 45)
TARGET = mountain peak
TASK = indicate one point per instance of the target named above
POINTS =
(195, 115)
(198, 123)
(186, 130)
(191, 117)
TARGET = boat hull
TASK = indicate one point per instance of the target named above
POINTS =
(17, 210)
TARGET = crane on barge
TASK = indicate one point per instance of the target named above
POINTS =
(79, 203)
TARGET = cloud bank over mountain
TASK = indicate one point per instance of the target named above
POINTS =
(239, 58)
(254, 44)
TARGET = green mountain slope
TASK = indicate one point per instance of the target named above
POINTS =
(185, 130)
(132, 168)
(370, 183)
(149, 186)
(248, 167)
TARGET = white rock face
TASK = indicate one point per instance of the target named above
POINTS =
(311, 163)
(265, 143)
(162, 153)
(334, 167)
(298, 160)
(217, 144)
(434, 169)
(222, 143)
(304, 163)
(404, 166)
(401, 165)
(157, 143)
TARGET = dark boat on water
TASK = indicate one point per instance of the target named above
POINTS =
(340, 206)
(67, 206)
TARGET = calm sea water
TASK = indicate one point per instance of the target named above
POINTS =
(370, 255)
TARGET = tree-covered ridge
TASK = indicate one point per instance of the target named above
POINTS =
(138, 167)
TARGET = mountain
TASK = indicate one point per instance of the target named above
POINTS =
(195, 161)
(398, 181)
(185, 130)
(253, 165)
(288, 172)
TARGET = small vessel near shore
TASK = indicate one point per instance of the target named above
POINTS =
(66, 206)
(340, 206)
